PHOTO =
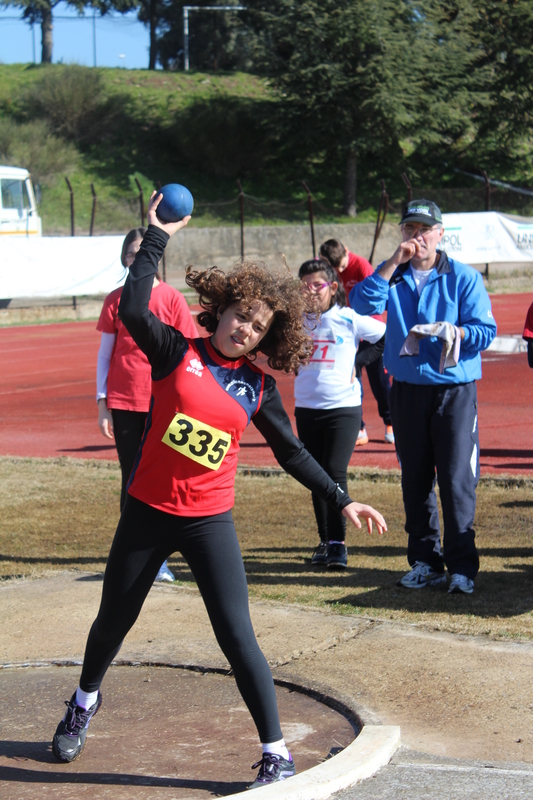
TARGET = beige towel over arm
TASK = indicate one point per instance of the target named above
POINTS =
(448, 333)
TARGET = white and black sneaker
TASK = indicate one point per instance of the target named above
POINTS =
(422, 575)
(272, 768)
(71, 732)
(460, 583)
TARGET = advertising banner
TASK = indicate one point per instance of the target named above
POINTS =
(84, 265)
(487, 237)
(60, 266)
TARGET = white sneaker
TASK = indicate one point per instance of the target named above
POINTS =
(389, 434)
(362, 438)
(165, 574)
(460, 583)
(421, 575)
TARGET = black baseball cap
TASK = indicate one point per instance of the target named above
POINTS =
(422, 211)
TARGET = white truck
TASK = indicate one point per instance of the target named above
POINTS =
(18, 209)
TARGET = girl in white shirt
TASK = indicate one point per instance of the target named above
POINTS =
(328, 396)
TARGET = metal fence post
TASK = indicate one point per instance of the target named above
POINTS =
(382, 213)
(93, 212)
(487, 208)
(141, 201)
(241, 205)
(72, 227)
(407, 182)
(311, 221)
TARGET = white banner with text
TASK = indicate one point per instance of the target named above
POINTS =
(60, 266)
(487, 237)
(83, 265)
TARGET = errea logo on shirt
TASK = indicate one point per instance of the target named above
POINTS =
(196, 367)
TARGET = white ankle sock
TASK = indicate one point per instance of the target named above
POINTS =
(86, 699)
(278, 748)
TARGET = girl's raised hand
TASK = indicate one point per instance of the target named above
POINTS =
(169, 227)
(356, 510)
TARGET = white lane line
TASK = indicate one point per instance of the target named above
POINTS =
(46, 387)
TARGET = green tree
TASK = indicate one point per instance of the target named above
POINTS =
(452, 86)
(346, 71)
(217, 39)
(370, 80)
(504, 122)
(150, 13)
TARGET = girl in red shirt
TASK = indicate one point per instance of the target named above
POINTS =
(123, 374)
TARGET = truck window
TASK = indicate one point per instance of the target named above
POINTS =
(14, 194)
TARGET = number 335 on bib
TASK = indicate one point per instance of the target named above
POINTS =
(196, 440)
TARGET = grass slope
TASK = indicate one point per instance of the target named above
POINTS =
(203, 130)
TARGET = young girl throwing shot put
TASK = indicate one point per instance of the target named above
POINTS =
(180, 492)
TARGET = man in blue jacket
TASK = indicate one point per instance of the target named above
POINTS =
(434, 396)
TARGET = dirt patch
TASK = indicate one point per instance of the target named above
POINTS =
(463, 697)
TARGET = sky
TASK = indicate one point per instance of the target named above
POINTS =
(121, 40)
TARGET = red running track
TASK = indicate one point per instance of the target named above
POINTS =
(48, 408)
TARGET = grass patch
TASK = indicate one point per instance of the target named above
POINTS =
(61, 514)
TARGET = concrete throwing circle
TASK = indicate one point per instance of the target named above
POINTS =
(161, 733)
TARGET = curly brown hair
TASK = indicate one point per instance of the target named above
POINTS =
(287, 343)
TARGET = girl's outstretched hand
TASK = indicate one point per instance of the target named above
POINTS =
(169, 227)
(356, 510)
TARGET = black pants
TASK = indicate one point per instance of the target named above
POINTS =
(379, 382)
(380, 385)
(128, 427)
(145, 538)
(329, 435)
(437, 438)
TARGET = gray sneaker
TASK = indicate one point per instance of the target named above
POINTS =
(71, 732)
(273, 768)
(460, 583)
(421, 575)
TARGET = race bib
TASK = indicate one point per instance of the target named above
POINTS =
(197, 441)
(323, 356)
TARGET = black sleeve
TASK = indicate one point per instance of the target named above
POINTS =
(273, 422)
(530, 352)
(367, 353)
(162, 344)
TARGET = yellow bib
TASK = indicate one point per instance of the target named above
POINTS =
(196, 440)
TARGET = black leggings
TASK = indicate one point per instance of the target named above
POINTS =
(329, 435)
(145, 538)
(128, 427)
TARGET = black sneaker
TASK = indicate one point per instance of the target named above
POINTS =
(272, 768)
(337, 557)
(320, 555)
(69, 737)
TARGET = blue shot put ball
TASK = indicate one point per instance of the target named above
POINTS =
(177, 203)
